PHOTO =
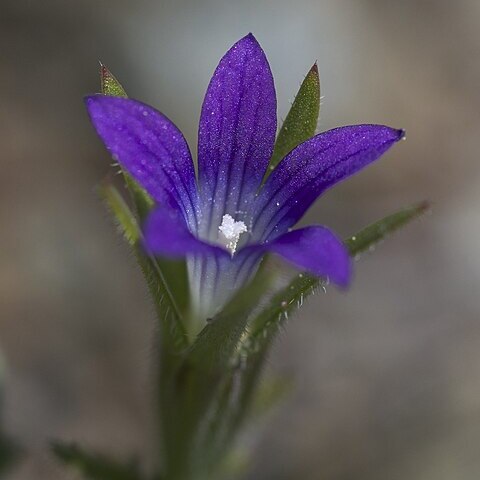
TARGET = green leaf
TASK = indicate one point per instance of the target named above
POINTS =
(255, 348)
(109, 84)
(376, 232)
(301, 121)
(167, 309)
(269, 321)
(94, 466)
(292, 296)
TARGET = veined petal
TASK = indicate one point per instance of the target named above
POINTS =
(315, 249)
(236, 132)
(215, 278)
(313, 167)
(150, 147)
(166, 234)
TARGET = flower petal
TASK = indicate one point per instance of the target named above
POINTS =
(166, 234)
(237, 130)
(150, 147)
(311, 168)
(317, 250)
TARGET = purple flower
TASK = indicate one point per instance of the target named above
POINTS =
(224, 222)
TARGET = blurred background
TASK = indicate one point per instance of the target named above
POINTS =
(387, 375)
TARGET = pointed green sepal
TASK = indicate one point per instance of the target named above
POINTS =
(215, 344)
(109, 84)
(301, 121)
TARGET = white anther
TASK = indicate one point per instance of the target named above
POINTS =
(230, 232)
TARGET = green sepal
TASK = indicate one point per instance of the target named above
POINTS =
(124, 218)
(109, 84)
(196, 392)
(301, 121)
(213, 348)
(140, 198)
(94, 466)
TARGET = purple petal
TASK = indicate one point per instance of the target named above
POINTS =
(311, 168)
(150, 147)
(315, 249)
(237, 129)
(167, 234)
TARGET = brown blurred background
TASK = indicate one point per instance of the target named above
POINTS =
(387, 375)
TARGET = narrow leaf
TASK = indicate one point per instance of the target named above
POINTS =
(301, 121)
(292, 296)
(376, 232)
(165, 304)
(276, 312)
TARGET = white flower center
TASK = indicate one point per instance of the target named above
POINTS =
(230, 232)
